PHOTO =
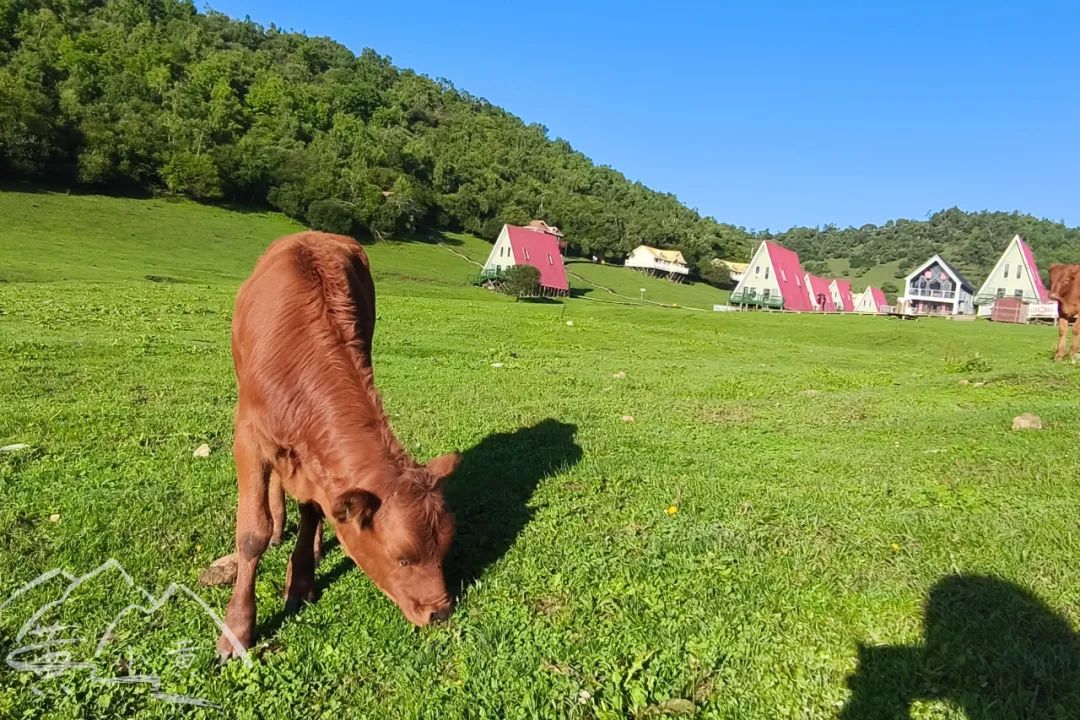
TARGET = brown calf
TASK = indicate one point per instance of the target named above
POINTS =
(1067, 293)
(309, 422)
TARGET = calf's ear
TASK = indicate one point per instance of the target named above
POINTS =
(355, 504)
(442, 467)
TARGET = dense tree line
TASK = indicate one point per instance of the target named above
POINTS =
(153, 96)
(971, 241)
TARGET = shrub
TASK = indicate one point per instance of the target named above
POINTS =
(330, 215)
(521, 281)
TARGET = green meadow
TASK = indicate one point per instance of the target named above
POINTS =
(767, 516)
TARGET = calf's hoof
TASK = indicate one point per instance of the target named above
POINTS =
(295, 598)
(230, 646)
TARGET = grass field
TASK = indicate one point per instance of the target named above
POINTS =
(807, 517)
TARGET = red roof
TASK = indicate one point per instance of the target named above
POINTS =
(1029, 260)
(820, 286)
(879, 298)
(541, 250)
(789, 276)
(848, 302)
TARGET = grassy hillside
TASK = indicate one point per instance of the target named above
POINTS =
(877, 275)
(806, 515)
(615, 282)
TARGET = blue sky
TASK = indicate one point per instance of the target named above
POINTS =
(766, 114)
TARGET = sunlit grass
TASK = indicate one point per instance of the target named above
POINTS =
(790, 487)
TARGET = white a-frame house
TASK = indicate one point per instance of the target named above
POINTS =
(1014, 275)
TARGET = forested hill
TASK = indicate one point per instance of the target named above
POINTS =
(972, 241)
(151, 95)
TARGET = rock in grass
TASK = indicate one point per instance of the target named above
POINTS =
(221, 572)
(810, 393)
(203, 451)
(496, 365)
(619, 375)
(963, 382)
(14, 448)
(674, 706)
(1027, 421)
(628, 418)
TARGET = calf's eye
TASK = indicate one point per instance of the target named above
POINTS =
(403, 563)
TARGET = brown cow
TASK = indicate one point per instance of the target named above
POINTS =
(309, 420)
(1067, 293)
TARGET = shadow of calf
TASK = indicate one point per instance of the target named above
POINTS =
(992, 648)
(490, 493)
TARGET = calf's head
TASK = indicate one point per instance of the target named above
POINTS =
(400, 537)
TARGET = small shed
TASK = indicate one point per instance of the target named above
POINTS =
(1009, 310)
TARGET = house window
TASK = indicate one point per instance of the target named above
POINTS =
(526, 253)
(783, 275)
(757, 270)
(1006, 269)
(1001, 292)
(753, 292)
(797, 283)
(498, 269)
(766, 292)
(1018, 294)
(1018, 271)
(550, 261)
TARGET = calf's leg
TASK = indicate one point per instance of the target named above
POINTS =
(253, 529)
(1075, 339)
(300, 577)
(277, 508)
(317, 542)
(1063, 329)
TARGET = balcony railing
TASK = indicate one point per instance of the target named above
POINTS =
(755, 300)
(989, 298)
(484, 276)
(921, 292)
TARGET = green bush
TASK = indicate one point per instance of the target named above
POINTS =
(330, 215)
(521, 281)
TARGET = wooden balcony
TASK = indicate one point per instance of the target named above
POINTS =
(928, 294)
(754, 300)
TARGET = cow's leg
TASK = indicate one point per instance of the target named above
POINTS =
(300, 577)
(1075, 339)
(253, 529)
(277, 508)
(1063, 329)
